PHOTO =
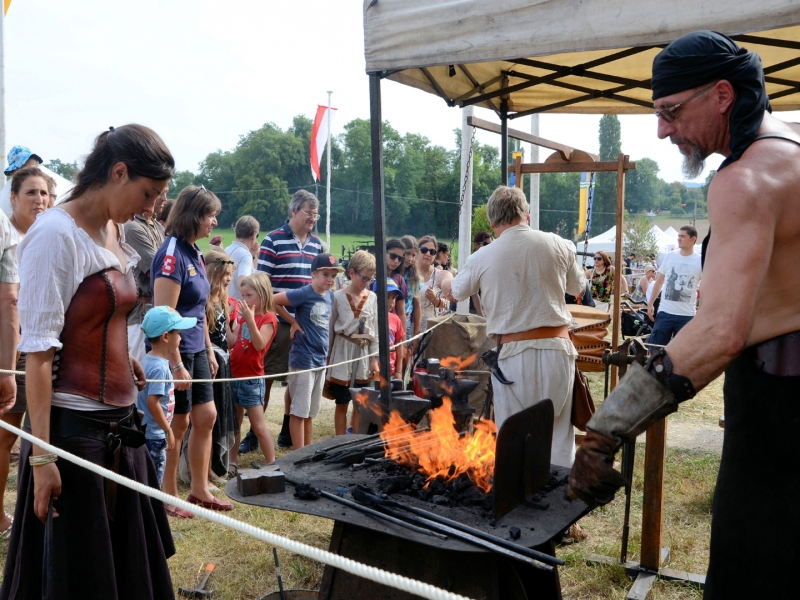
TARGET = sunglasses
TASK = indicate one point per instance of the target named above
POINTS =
(669, 114)
(598, 258)
(426, 250)
(365, 279)
(486, 243)
(394, 256)
(222, 261)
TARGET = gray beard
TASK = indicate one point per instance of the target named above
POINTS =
(694, 163)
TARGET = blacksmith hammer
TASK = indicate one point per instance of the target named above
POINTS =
(200, 591)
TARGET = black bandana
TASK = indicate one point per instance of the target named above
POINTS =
(704, 56)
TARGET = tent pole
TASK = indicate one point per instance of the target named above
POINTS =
(504, 141)
(379, 225)
(2, 98)
(534, 200)
(465, 217)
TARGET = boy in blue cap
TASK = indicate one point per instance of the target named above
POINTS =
(162, 326)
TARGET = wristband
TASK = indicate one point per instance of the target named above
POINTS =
(42, 459)
(176, 368)
(659, 366)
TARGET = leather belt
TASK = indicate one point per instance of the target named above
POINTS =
(778, 356)
(539, 333)
(360, 342)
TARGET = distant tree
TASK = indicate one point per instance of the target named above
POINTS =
(180, 181)
(480, 222)
(639, 237)
(642, 186)
(605, 193)
(66, 170)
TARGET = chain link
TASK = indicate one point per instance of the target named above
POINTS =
(463, 188)
(589, 202)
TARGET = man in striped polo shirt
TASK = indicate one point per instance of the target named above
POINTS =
(286, 255)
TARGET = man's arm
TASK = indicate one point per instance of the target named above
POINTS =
(9, 338)
(744, 217)
(140, 241)
(657, 285)
(576, 279)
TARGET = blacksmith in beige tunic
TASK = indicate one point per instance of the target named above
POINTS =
(522, 277)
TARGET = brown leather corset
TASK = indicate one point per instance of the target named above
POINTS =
(93, 361)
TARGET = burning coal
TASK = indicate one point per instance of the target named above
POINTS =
(442, 452)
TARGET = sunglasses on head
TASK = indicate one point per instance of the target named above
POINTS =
(426, 250)
(394, 256)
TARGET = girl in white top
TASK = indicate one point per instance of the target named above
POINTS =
(354, 334)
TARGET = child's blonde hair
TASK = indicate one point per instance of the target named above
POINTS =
(260, 283)
(362, 261)
(218, 264)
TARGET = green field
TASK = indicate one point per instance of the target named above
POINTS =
(337, 240)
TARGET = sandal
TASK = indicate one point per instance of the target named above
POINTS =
(6, 533)
(233, 470)
(215, 504)
(174, 511)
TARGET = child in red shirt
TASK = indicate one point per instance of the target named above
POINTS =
(252, 329)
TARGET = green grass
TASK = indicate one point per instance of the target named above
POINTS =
(337, 240)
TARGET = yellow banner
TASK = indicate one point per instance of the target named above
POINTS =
(6, 4)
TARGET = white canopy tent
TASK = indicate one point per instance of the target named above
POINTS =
(598, 52)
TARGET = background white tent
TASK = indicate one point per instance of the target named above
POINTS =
(603, 242)
(62, 187)
(671, 231)
(666, 242)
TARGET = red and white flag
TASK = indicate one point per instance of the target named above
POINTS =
(319, 137)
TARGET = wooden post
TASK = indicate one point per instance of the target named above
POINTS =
(518, 172)
(622, 159)
(653, 509)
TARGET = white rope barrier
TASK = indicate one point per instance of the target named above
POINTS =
(228, 379)
(399, 582)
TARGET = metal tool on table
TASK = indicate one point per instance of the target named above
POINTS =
(278, 572)
(458, 530)
(200, 591)
(621, 359)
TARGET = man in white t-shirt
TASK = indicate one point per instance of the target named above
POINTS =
(677, 282)
(242, 251)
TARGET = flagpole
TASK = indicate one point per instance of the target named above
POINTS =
(328, 183)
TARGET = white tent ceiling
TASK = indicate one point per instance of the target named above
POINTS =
(593, 56)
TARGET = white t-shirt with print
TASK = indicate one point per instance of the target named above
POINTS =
(681, 279)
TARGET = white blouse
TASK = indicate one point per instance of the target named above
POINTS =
(55, 256)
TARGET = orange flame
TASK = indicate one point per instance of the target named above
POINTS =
(442, 452)
(362, 399)
(457, 364)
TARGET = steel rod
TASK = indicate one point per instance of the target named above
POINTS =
(470, 530)
(373, 512)
(458, 533)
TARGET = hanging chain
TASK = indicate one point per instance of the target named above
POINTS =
(463, 188)
(589, 202)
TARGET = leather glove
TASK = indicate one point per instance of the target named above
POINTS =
(593, 477)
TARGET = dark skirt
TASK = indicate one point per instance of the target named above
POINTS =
(92, 556)
(755, 526)
(224, 432)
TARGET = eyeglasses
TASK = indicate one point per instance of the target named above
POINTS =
(394, 256)
(311, 215)
(365, 279)
(426, 250)
(598, 258)
(668, 114)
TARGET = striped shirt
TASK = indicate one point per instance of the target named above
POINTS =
(286, 260)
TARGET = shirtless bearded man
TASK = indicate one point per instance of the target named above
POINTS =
(710, 97)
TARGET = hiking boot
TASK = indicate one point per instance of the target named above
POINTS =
(249, 443)
(284, 440)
